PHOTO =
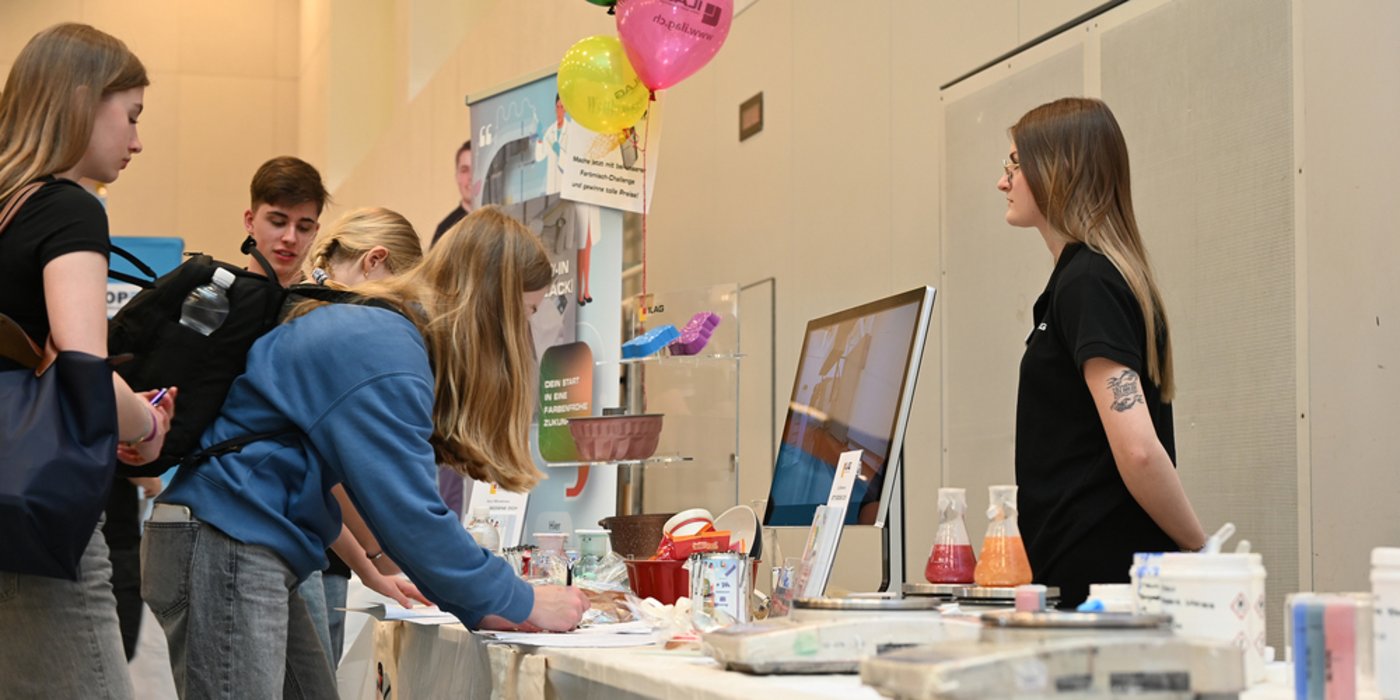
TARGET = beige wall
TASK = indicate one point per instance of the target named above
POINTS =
(223, 98)
(1349, 292)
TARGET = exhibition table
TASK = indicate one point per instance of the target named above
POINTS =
(440, 661)
(447, 661)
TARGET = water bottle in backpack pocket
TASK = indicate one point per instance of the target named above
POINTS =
(207, 306)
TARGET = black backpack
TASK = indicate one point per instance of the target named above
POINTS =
(164, 353)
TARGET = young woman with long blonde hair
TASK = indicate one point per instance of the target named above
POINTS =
(1095, 447)
(68, 112)
(374, 399)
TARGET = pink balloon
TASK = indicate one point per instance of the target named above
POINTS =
(668, 40)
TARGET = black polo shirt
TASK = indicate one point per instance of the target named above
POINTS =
(1077, 518)
(448, 222)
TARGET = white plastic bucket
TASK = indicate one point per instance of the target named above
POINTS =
(1385, 586)
(1219, 597)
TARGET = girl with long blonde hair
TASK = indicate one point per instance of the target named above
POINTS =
(1095, 445)
(68, 112)
(374, 398)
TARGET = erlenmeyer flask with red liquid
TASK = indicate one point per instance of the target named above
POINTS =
(951, 560)
(1003, 561)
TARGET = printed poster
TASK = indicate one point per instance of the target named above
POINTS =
(511, 145)
(569, 231)
(612, 170)
(566, 391)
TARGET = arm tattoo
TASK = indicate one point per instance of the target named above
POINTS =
(1127, 390)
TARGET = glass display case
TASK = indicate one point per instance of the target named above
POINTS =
(696, 461)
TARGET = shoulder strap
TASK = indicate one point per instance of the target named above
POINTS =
(16, 201)
(337, 295)
(231, 446)
(138, 264)
(250, 247)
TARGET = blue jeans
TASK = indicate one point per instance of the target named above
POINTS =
(59, 638)
(235, 626)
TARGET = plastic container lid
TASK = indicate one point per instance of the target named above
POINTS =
(1385, 556)
(223, 277)
(593, 541)
(553, 541)
(1225, 563)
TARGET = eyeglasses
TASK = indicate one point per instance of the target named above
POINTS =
(1009, 167)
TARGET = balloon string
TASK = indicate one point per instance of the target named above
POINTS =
(646, 203)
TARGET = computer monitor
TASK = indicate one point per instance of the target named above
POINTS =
(854, 386)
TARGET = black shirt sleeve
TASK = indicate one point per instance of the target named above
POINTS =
(64, 219)
(1098, 316)
(59, 219)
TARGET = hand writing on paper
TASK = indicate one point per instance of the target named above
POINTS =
(558, 608)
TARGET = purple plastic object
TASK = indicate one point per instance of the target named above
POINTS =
(696, 334)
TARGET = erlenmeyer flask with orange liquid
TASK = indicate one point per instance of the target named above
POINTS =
(951, 560)
(1003, 561)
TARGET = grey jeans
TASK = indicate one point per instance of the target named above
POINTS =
(234, 623)
(337, 588)
(59, 638)
(313, 593)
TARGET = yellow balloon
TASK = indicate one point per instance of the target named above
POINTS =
(598, 86)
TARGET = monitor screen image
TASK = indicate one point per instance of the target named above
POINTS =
(854, 386)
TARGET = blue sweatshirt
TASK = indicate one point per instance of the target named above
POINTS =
(354, 384)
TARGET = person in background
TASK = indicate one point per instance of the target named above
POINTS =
(69, 111)
(1095, 447)
(464, 188)
(375, 399)
(362, 246)
(287, 198)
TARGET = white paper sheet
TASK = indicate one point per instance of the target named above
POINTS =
(623, 634)
(421, 614)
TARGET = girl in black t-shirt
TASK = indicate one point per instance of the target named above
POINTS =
(1094, 438)
(68, 111)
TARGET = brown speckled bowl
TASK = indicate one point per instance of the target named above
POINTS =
(616, 438)
(635, 536)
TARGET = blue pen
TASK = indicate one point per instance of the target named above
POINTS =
(155, 400)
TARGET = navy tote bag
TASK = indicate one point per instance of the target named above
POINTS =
(58, 450)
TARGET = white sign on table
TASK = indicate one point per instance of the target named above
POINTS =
(507, 510)
(827, 522)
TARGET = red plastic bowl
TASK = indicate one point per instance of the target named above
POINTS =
(663, 580)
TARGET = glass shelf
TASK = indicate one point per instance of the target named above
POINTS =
(659, 459)
(678, 359)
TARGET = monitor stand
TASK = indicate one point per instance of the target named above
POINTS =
(892, 535)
